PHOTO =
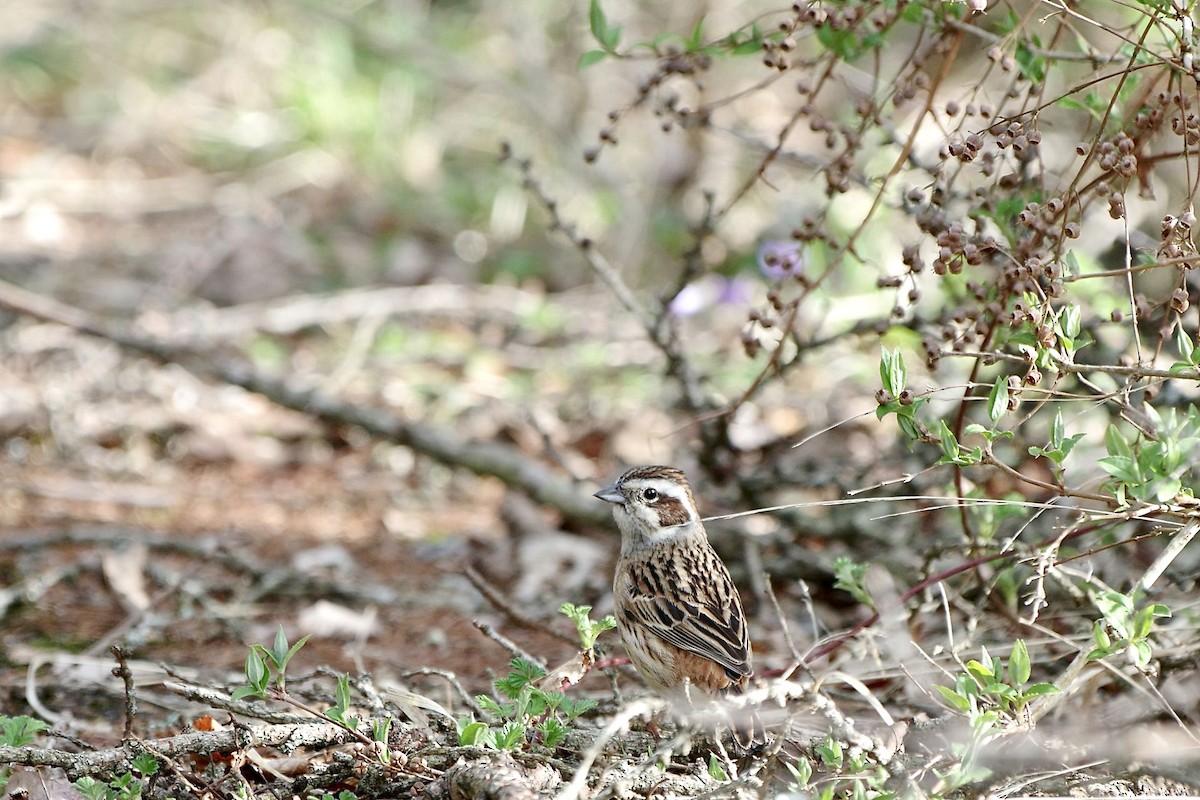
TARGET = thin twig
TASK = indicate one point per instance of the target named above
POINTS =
(494, 596)
(123, 672)
(452, 679)
(508, 644)
(657, 327)
(783, 625)
(1179, 541)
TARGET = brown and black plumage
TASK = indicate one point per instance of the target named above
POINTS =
(677, 609)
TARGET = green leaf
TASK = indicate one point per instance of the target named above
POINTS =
(550, 701)
(715, 770)
(908, 427)
(1184, 344)
(145, 764)
(1113, 604)
(122, 783)
(948, 442)
(1122, 468)
(1005, 693)
(91, 788)
(748, 47)
(801, 771)
(1069, 443)
(492, 707)
(697, 38)
(552, 731)
(521, 674)
(608, 36)
(588, 629)
(573, 708)
(475, 734)
(1117, 610)
(279, 649)
(1115, 443)
(998, 399)
(510, 736)
(1018, 663)
(342, 699)
(1167, 489)
(20, 731)
(1100, 636)
(953, 698)
(848, 576)
(1031, 65)
(1056, 430)
(591, 58)
(1142, 652)
(246, 691)
(525, 706)
(1070, 264)
(751, 45)
(830, 752)
(294, 649)
(1159, 610)
(1040, 690)
(966, 686)
(1070, 321)
(256, 670)
(980, 671)
(893, 372)
(1144, 620)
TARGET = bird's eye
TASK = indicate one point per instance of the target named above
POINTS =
(650, 494)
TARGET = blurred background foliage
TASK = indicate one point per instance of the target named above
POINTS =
(391, 112)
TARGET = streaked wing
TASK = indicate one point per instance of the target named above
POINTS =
(690, 601)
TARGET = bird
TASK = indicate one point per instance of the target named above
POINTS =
(677, 609)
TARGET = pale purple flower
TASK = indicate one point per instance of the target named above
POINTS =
(691, 300)
(735, 291)
(709, 291)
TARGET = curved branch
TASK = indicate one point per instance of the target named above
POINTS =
(483, 458)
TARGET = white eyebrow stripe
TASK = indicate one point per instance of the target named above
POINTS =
(662, 486)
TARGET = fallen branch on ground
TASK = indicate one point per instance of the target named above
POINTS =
(492, 459)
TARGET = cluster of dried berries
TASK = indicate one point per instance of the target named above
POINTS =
(1177, 247)
(1177, 244)
(782, 261)
(1116, 155)
(1011, 261)
(1184, 122)
(672, 62)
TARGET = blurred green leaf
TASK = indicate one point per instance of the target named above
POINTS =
(592, 57)
(609, 36)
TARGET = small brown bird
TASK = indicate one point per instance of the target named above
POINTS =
(679, 614)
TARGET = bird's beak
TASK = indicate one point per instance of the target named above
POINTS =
(611, 494)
